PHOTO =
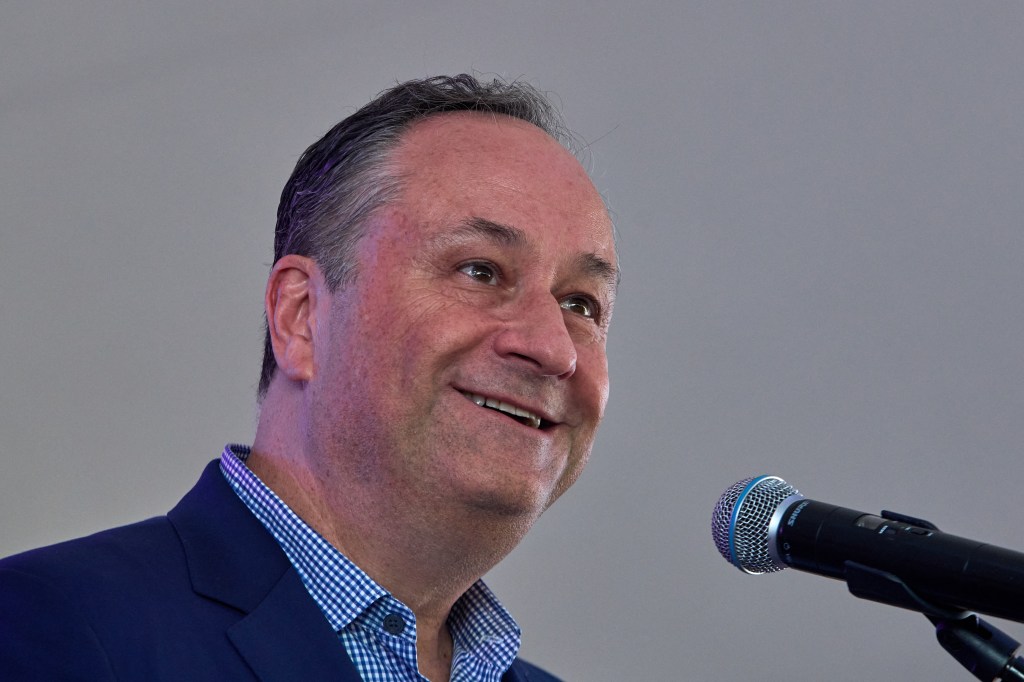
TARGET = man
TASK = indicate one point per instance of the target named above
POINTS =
(435, 373)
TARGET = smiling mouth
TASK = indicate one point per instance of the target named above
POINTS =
(519, 414)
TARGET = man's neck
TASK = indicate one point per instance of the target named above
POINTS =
(434, 649)
(426, 558)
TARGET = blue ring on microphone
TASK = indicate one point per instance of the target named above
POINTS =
(735, 513)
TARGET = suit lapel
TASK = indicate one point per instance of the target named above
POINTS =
(512, 675)
(521, 671)
(232, 559)
(287, 638)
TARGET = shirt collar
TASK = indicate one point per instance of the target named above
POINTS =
(480, 625)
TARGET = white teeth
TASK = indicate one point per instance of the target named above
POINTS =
(531, 419)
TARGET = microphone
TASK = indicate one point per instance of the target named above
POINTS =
(763, 524)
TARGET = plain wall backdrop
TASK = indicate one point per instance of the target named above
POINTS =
(821, 216)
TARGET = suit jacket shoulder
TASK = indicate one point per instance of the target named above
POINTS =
(204, 593)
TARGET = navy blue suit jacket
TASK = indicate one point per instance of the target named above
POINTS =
(204, 593)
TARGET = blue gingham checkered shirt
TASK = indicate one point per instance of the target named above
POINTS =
(377, 630)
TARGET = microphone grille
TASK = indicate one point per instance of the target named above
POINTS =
(741, 521)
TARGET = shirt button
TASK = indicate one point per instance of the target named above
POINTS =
(394, 624)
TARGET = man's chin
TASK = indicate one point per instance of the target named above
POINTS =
(521, 506)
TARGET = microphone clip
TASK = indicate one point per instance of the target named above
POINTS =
(983, 649)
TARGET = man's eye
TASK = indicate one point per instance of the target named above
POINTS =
(580, 305)
(481, 272)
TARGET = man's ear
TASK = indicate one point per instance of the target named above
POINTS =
(293, 289)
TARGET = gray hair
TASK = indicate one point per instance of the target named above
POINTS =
(344, 177)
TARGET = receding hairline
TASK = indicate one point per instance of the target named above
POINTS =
(402, 144)
(414, 129)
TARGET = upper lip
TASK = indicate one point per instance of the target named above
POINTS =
(512, 406)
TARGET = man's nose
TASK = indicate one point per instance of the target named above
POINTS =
(536, 333)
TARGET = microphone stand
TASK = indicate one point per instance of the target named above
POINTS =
(983, 649)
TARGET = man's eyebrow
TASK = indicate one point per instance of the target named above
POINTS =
(596, 266)
(475, 228)
(590, 264)
(506, 235)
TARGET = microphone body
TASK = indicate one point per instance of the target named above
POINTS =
(771, 526)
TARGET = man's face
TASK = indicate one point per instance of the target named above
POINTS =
(489, 280)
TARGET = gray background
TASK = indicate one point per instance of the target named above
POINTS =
(820, 208)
